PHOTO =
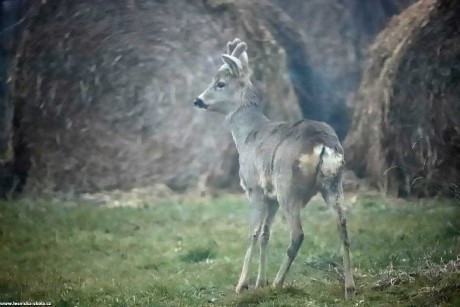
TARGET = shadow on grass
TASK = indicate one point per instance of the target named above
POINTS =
(264, 295)
(198, 254)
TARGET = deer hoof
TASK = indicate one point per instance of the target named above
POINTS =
(241, 288)
(350, 293)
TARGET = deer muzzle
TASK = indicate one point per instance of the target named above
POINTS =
(199, 103)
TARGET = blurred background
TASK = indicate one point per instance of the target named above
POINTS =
(120, 193)
(96, 95)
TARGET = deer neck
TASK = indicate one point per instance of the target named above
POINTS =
(244, 120)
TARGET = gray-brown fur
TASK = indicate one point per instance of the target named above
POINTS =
(282, 165)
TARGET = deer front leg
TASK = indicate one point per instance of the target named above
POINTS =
(272, 208)
(293, 219)
(258, 212)
(243, 282)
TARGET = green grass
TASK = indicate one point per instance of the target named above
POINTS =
(189, 253)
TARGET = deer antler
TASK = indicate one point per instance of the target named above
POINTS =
(232, 45)
(240, 48)
(237, 48)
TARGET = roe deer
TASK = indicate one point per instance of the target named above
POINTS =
(281, 164)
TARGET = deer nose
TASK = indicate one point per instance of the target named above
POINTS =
(199, 103)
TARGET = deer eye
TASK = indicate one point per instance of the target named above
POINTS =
(220, 85)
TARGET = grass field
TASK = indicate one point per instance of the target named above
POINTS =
(189, 253)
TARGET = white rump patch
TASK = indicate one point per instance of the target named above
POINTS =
(332, 161)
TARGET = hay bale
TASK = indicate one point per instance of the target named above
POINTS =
(405, 134)
(336, 37)
(103, 92)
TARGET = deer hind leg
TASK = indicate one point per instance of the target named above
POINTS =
(333, 195)
(272, 208)
(258, 212)
(292, 215)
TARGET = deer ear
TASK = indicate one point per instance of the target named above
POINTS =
(236, 68)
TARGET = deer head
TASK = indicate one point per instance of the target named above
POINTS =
(226, 91)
